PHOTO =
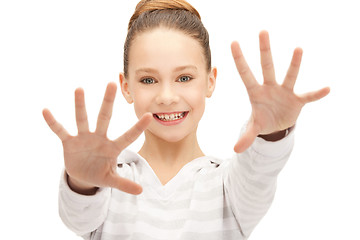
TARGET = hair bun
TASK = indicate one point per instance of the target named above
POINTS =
(152, 5)
(172, 14)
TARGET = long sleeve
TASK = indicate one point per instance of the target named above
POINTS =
(82, 214)
(250, 182)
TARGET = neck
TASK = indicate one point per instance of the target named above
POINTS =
(158, 151)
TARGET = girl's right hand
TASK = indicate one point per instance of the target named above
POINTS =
(90, 157)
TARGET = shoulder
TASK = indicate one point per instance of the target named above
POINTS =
(210, 164)
(214, 160)
(127, 157)
(128, 161)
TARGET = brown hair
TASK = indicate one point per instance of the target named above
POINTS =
(174, 14)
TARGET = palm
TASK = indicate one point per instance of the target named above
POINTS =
(90, 157)
(274, 107)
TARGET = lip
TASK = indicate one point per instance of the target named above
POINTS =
(170, 123)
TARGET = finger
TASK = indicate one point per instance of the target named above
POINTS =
(80, 111)
(293, 70)
(55, 126)
(266, 58)
(242, 67)
(246, 139)
(123, 184)
(314, 96)
(133, 133)
(106, 109)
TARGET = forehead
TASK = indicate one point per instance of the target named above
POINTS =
(163, 48)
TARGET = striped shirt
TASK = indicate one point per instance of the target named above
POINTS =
(208, 199)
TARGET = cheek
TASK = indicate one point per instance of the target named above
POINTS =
(138, 110)
(196, 98)
(142, 100)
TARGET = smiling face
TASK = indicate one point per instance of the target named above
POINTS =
(167, 76)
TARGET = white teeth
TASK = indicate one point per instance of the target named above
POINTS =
(170, 117)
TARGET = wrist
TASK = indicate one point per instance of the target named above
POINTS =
(276, 136)
(80, 187)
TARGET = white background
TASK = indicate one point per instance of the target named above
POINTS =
(49, 48)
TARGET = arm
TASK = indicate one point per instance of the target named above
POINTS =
(263, 148)
(91, 161)
(275, 107)
(82, 214)
(250, 182)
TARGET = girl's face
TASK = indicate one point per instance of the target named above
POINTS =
(168, 77)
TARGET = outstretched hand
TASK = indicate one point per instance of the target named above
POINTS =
(90, 157)
(274, 107)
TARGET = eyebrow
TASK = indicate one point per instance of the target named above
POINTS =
(177, 69)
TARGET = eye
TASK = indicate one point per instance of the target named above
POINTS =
(184, 79)
(147, 81)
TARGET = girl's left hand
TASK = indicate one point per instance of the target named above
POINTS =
(274, 107)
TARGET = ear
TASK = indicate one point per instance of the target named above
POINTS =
(125, 88)
(211, 82)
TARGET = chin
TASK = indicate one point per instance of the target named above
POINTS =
(171, 136)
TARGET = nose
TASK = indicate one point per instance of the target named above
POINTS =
(167, 95)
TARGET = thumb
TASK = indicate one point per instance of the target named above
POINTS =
(246, 139)
(124, 184)
(133, 133)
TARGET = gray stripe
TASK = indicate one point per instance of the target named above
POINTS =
(155, 221)
(217, 235)
(146, 218)
(263, 165)
(216, 192)
(255, 179)
(266, 169)
(167, 205)
(199, 178)
(239, 190)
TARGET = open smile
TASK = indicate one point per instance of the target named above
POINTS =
(170, 118)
